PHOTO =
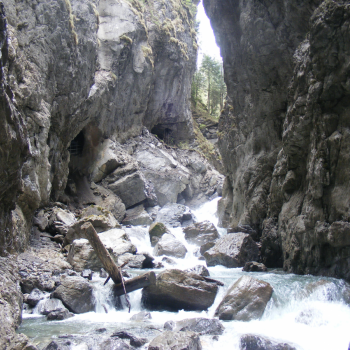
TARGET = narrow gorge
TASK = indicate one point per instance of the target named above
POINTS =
(97, 128)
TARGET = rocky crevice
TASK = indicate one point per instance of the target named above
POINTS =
(283, 135)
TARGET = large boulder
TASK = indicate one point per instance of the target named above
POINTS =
(34, 297)
(105, 198)
(175, 215)
(156, 231)
(169, 245)
(137, 216)
(168, 177)
(100, 218)
(201, 233)
(232, 250)
(200, 325)
(47, 306)
(176, 290)
(255, 342)
(131, 189)
(199, 270)
(176, 341)
(253, 266)
(76, 294)
(82, 256)
(245, 300)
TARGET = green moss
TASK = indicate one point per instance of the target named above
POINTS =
(148, 53)
(71, 21)
(127, 39)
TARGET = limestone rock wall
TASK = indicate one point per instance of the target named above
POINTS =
(89, 71)
(284, 132)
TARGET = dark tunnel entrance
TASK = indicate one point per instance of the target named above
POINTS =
(77, 145)
(163, 133)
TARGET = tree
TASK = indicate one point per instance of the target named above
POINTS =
(198, 84)
(214, 86)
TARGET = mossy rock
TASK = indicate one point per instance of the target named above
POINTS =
(156, 231)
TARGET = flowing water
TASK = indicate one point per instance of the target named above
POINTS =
(320, 320)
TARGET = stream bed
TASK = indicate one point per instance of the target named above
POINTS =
(307, 320)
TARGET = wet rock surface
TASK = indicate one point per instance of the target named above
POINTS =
(232, 250)
(175, 215)
(245, 300)
(255, 342)
(176, 290)
(199, 325)
(201, 233)
(170, 246)
(253, 266)
(76, 294)
(176, 341)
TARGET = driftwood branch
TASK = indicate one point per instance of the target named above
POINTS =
(102, 252)
(135, 283)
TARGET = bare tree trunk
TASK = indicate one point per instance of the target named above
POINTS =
(135, 283)
(102, 252)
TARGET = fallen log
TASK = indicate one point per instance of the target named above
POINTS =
(102, 253)
(135, 283)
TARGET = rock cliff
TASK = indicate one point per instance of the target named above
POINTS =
(284, 132)
(76, 74)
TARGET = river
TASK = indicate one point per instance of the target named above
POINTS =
(320, 320)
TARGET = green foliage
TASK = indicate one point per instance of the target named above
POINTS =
(208, 83)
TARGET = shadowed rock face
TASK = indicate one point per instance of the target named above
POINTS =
(284, 135)
(83, 71)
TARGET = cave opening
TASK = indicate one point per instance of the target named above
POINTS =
(77, 145)
(163, 133)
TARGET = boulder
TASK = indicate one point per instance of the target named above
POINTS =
(169, 340)
(101, 219)
(82, 256)
(245, 300)
(76, 294)
(168, 177)
(245, 229)
(175, 215)
(141, 316)
(137, 216)
(232, 250)
(170, 246)
(135, 261)
(87, 274)
(47, 306)
(156, 231)
(134, 341)
(200, 325)
(109, 158)
(176, 290)
(137, 232)
(60, 220)
(206, 247)
(256, 342)
(253, 266)
(201, 233)
(199, 270)
(59, 315)
(35, 296)
(130, 189)
(105, 198)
